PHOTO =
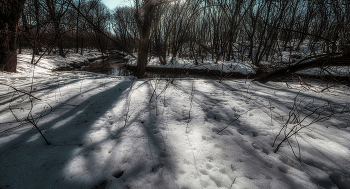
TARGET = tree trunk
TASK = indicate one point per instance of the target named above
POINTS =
(77, 31)
(319, 62)
(37, 44)
(56, 20)
(142, 58)
(144, 27)
(82, 44)
(58, 38)
(10, 13)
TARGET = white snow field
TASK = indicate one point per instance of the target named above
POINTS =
(119, 132)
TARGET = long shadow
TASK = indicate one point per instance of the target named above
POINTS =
(40, 87)
(20, 101)
(84, 105)
(156, 162)
(48, 88)
(79, 158)
(69, 133)
(95, 106)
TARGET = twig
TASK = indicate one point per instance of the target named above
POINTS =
(20, 91)
(329, 87)
(233, 121)
(296, 111)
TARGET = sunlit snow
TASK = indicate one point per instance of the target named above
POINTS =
(113, 132)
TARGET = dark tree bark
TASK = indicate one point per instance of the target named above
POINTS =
(142, 57)
(144, 27)
(77, 31)
(10, 13)
(37, 43)
(145, 17)
(316, 62)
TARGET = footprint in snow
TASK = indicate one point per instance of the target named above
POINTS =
(254, 133)
(157, 167)
(270, 165)
(118, 174)
(209, 166)
(203, 172)
(233, 168)
(265, 151)
(256, 146)
(101, 185)
(223, 171)
(210, 158)
(283, 169)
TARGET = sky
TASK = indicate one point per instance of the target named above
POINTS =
(111, 4)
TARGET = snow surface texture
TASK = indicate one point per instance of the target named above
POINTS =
(52, 61)
(117, 132)
(224, 66)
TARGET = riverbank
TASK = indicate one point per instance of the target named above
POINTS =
(81, 61)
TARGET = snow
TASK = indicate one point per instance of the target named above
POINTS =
(343, 71)
(224, 66)
(119, 132)
(52, 61)
(243, 67)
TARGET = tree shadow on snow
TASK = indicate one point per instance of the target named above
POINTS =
(90, 147)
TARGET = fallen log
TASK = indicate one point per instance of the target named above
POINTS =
(319, 61)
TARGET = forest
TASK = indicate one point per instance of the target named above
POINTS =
(175, 94)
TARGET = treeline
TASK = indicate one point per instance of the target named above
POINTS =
(246, 30)
(55, 25)
(254, 30)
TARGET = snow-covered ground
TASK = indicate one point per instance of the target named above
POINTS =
(343, 71)
(52, 61)
(183, 63)
(244, 65)
(118, 132)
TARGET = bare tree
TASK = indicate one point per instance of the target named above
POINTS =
(33, 21)
(124, 27)
(77, 27)
(145, 11)
(56, 10)
(100, 16)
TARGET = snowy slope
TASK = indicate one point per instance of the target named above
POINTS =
(118, 132)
